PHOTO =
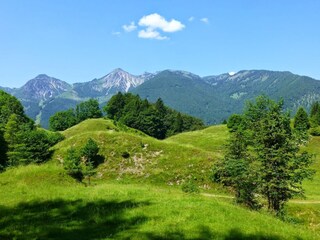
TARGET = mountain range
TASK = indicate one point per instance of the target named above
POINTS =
(211, 98)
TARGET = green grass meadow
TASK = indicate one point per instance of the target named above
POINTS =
(139, 196)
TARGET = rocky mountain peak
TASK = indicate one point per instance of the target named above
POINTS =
(43, 87)
(118, 80)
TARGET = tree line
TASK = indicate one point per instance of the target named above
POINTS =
(63, 120)
(154, 119)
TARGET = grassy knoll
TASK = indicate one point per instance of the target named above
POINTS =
(41, 202)
(133, 156)
(210, 139)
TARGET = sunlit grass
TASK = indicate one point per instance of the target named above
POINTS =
(50, 205)
(140, 197)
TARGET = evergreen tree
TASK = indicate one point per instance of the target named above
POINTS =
(72, 164)
(89, 154)
(156, 119)
(238, 171)
(10, 105)
(301, 120)
(274, 160)
(13, 138)
(234, 122)
(37, 146)
(115, 106)
(315, 114)
(178, 124)
(161, 108)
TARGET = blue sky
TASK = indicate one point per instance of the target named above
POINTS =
(78, 41)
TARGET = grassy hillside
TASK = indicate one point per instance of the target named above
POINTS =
(140, 197)
(149, 160)
(41, 202)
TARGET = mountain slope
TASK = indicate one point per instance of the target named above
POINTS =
(183, 91)
(294, 89)
(215, 98)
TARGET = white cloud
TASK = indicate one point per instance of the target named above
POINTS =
(155, 21)
(191, 19)
(129, 28)
(151, 34)
(204, 20)
(116, 33)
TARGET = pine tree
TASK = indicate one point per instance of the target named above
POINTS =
(315, 114)
(301, 120)
(72, 164)
(13, 138)
(237, 170)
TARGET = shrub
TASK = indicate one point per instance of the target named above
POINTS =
(190, 187)
(315, 131)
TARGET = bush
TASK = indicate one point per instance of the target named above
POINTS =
(72, 164)
(190, 187)
(234, 122)
(55, 137)
(315, 131)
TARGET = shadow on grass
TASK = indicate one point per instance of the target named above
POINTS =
(60, 219)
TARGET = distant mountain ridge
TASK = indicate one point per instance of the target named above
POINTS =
(211, 98)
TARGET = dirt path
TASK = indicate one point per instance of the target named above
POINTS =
(291, 201)
(216, 196)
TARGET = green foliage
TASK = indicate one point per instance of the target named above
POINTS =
(234, 122)
(82, 163)
(301, 120)
(55, 137)
(13, 137)
(12, 122)
(21, 142)
(63, 120)
(156, 119)
(88, 109)
(264, 156)
(10, 105)
(238, 171)
(315, 131)
(115, 106)
(190, 187)
(72, 164)
(315, 114)
(90, 150)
